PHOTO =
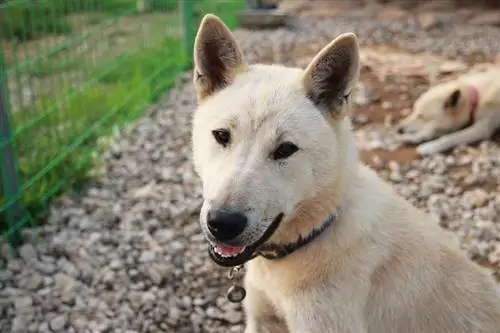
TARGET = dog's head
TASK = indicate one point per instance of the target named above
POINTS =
(442, 109)
(266, 138)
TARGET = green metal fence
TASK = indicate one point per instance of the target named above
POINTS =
(70, 72)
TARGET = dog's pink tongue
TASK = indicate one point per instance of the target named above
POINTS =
(229, 251)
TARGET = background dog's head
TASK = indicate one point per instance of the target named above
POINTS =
(267, 139)
(442, 109)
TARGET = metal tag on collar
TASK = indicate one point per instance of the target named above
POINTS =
(235, 293)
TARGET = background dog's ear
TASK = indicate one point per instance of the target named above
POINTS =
(453, 99)
(332, 74)
(217, 57)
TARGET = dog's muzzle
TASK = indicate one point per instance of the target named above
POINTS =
(228, 256)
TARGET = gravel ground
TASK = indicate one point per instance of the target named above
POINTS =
(127, 254)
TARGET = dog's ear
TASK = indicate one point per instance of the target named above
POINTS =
(217, 57)
(332, 74)
(452, 100)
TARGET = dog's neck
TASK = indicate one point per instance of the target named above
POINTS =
(274, 251)
(473, 102)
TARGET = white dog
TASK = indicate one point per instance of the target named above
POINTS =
(329, 246)
(457, 112)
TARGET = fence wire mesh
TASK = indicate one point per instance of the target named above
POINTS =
(72, 71)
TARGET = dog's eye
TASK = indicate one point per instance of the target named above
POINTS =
(222, 136)
(284, 150)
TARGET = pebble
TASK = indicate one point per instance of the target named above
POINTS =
(28, 252)
(147, 256)
(32, 282)
(23, 304)
(126, 255)
(363, 94)
(63, 282)
(19, 325)
(58, 323)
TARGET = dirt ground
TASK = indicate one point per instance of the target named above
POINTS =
(475, 11)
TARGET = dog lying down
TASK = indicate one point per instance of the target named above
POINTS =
(329, 247)
(462, 111)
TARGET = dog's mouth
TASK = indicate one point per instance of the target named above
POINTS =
(229, 256)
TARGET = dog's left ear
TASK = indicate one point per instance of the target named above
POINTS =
(332, 74)
(217, 57)
(453, 99)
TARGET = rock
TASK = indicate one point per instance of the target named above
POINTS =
(155, 275)
(360, 119)
(28, 252)
(115, 264)
(363, 95)
(32, 282)
(492, 17)
(78, 321)
(494, 255)
(476, 198)
(428, 20)
(478, 249)
(437, 6)
(392, 13)
(64, 283)
(44, 328)
(386, 105)
(163, 236)
(58, 323)
(147, 256)
(486, 231)
(5, 275)
(23, 304)
(452, 67)
(214, 313)
(19, 325)
(46, 268)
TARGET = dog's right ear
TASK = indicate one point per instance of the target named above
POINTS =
(217, 57)
(331, 76)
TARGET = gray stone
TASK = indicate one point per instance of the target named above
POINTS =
(490, 18)
(64, 283)
(58, 323)
(363, 95)
(32, 282)
(44, 328)
(147, 256)
(19, 325)
(23, 304)
(28, 252)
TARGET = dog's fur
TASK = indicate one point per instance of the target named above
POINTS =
(383, 266)
(443, 113)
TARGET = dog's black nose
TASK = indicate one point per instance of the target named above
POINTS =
(225, 225)
(401, 130)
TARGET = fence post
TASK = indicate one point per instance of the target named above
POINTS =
(9, 185)
(187, 19)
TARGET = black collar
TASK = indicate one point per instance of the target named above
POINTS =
(274, 251)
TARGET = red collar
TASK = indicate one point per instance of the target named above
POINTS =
(473, 102)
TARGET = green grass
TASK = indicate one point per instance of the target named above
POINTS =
(83, 98)
(47, 68)
(30, 19)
